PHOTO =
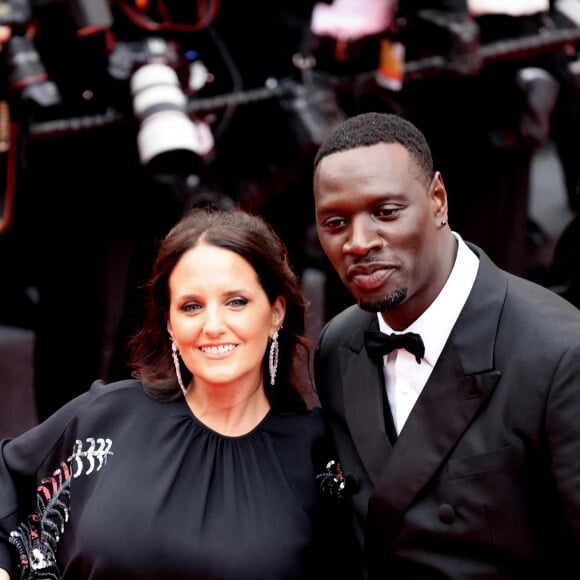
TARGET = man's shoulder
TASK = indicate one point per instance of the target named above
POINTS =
(542, 307)
(348, 323)
(523, 300)
(350, 315)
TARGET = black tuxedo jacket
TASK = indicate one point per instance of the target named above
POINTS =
(484, 479)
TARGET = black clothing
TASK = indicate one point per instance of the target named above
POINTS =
(128, 487)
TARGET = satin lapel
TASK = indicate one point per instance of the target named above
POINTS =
(363, 381)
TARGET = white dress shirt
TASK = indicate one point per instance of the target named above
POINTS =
(404, 378)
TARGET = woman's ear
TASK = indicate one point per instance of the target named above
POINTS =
(278, 312)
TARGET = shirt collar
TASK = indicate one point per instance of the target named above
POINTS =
(436, 323)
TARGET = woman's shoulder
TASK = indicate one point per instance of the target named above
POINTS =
(302, 436)
(118, 399)
(127, 386)
(306, 425)
(102, 402)
(99, 409)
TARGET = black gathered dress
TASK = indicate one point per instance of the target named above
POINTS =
(118, 486)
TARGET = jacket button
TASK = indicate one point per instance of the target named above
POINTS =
(446, 513)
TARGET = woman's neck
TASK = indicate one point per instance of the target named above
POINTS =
(227, 410)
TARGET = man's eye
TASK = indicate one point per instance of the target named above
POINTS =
(387, 212)
(334, 223)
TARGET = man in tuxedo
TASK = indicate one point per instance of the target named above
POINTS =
(460, 458)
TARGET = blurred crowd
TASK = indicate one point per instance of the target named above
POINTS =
(86, 198)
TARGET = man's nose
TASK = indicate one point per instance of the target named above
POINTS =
(363, 236)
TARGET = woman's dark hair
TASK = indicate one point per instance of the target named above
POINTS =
(252, 238)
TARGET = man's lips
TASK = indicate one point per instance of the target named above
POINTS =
(369, 276)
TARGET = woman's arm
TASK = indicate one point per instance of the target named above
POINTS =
(4, 575)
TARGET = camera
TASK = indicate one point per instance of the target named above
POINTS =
(168, 140)
(27, 73)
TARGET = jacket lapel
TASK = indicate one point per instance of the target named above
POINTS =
(460, 384)
(363, 384)
(443, 412)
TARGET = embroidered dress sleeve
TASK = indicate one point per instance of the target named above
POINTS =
(34, 472)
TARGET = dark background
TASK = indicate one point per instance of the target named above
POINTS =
(87, 213)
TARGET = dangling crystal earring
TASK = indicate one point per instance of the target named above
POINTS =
(273, 358)
(175, 357)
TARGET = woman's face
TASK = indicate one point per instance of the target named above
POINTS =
(220, 317)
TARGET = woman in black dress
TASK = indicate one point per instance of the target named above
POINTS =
(209, 464)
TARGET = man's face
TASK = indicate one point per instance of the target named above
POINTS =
(379, 225)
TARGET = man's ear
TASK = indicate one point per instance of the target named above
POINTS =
(438, 195)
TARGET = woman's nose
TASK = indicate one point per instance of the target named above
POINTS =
(213, 320)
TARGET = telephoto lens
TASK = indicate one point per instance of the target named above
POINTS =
(168, 141)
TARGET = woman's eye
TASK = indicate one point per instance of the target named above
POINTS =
(237, 302)
(191, 307)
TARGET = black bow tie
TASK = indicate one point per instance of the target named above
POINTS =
(379, 344)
